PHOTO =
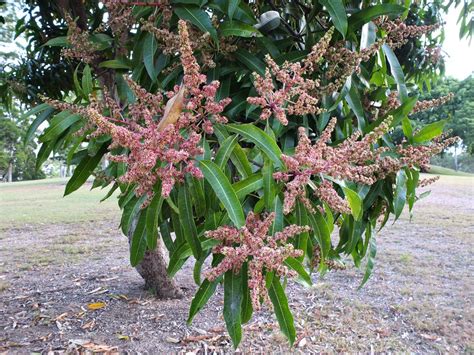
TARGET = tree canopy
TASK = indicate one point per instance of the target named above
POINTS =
(239, 134)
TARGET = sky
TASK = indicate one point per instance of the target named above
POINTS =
(459, 55)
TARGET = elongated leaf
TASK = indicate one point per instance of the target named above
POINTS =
(84, 170)
(238, 29)
(58, 125)
(277, 207)
(197, 17)
(246, 305)
(296, 265)
(338, 14)
(282, 311)
(301, 240)
(87, 81)
(250, 61)
(150, 46)
(368, 14)
(355, 103)
(268, 184)
(138, 245)
(260, 139)
(227, 146)
(370, 259)
(321, 232)
(355, 202)
(114, 64)
(430, 131)
(232, 6)
(397, 72)
(244, 187)
(152, 214)
(187, 220)
(205, 291)
(232, 306)
(57, 42)
(37, 122)
(224, 191)
(35, 110)
(400, 195)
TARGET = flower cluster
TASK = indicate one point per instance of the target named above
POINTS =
(429, 104)
(158, 149)
(252, 244)
(353, 160)
(80, 45)
(399, 33)
(428, 181)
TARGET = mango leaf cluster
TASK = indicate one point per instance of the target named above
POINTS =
(240, 157)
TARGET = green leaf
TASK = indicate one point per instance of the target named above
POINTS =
(301, 240)
(84, 170)
(58, 125)
(321, 232)
(232, 306)
(246, 186)
(400, 196)
(370, 258)
(397, 72)
(150, 46)
(338, 14)
(114, 64)
(197, 17)
(355, 103)
(238, 29)
(152, 214)
(430, 131)
(138, 244)
(187, 220)
(407, 127)
(368, 14)
(37, 122)
(232, 6)
(87, 81)
(250, 61)
(35, 110)
(43, 153)
(260, 139)
(205, 291)
(296, 265)
(277, 207)
(224, 191)
(355, 202)
(246, 305)
(227, 146)
(281, 309)
(268, 184)
(61, 41)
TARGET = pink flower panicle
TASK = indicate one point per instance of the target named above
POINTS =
(252, 244)
(155, 152)
(354, 159)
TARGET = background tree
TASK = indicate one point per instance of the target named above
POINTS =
(243, 136)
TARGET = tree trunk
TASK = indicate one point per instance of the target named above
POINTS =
(153, 270)
(455, 157)
(10, 172)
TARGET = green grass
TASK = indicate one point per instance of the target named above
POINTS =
(42, 201)
(439, 170)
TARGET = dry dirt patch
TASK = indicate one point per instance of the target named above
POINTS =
(418, 300)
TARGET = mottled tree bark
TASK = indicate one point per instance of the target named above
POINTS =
(153, 271)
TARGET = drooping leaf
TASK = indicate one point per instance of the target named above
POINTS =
(282, 310)
(397, 72)
(139, 242)
(84, 170)
(260, 139)
(150, 46)
(232, 306)
(187, 220)
(197, 17)
(355, 202)
(338, 14)
(87, 81)
(429, 131)
(205, 291)
(400, 196)
(224, 191)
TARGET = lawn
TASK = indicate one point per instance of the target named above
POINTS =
(42, 201)
(59, 255)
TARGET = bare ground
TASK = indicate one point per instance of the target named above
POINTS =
(420, 298)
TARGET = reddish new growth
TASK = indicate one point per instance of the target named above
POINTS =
(252, 244)
(352, 160)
